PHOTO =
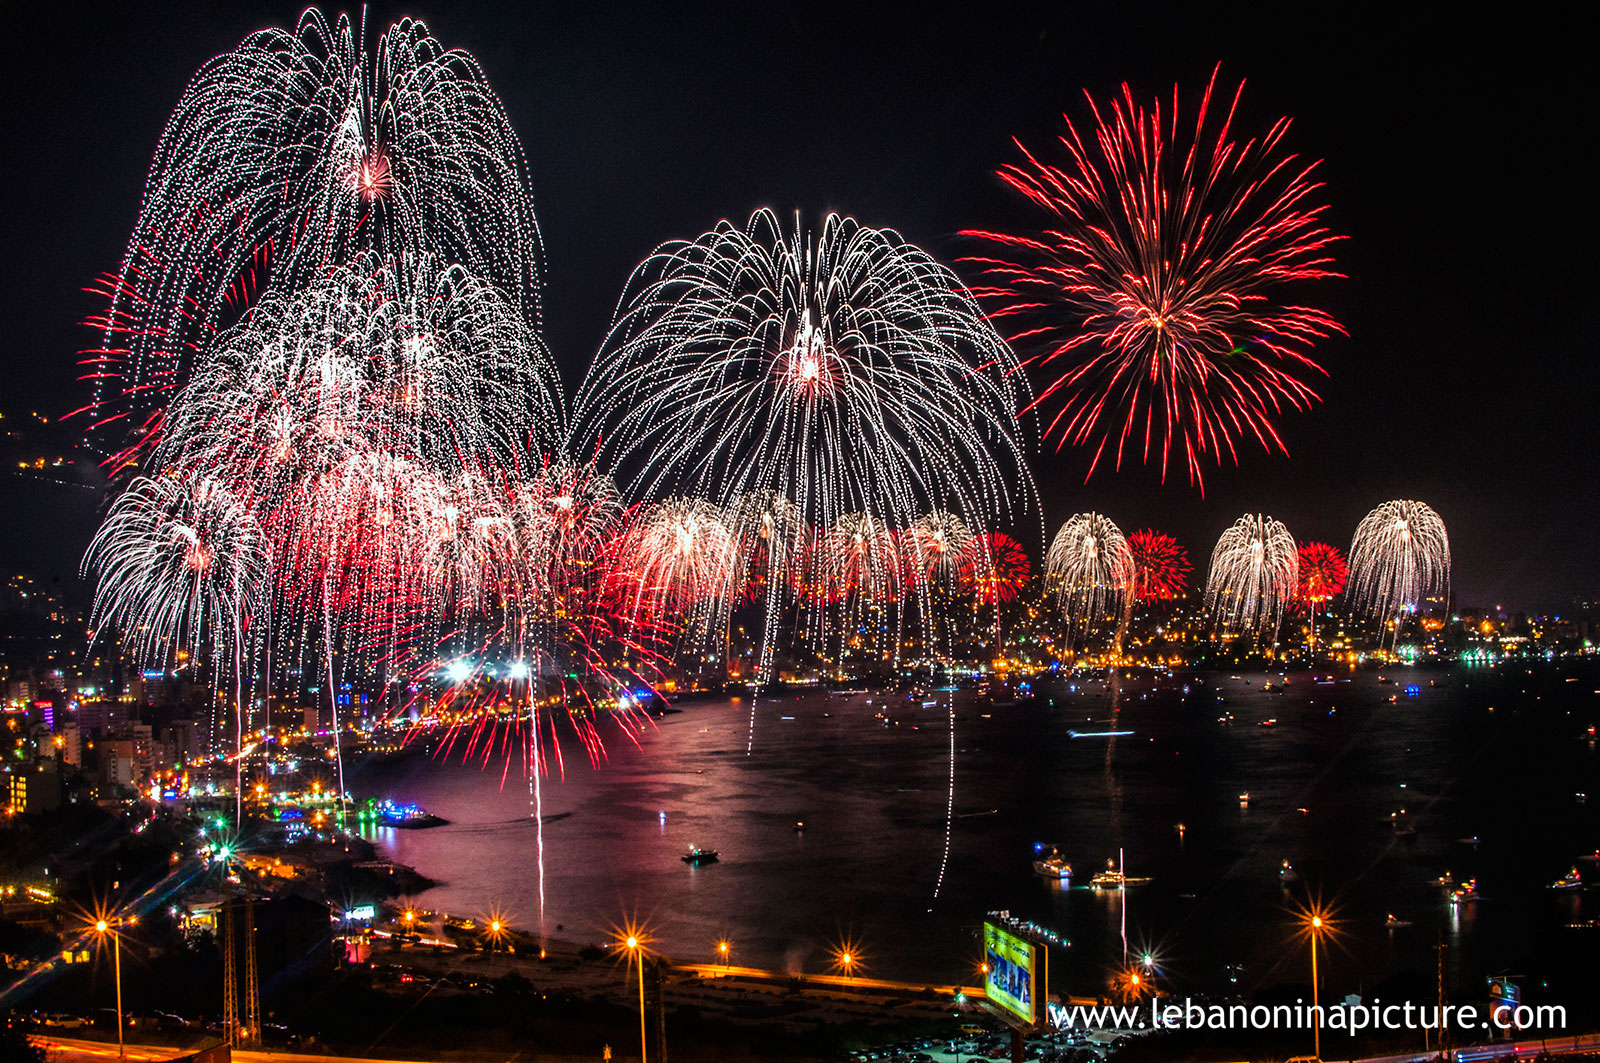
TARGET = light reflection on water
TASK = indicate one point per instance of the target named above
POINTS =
(873, 802)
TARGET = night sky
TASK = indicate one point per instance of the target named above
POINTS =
(1457, 158)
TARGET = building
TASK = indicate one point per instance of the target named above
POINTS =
(32, 788)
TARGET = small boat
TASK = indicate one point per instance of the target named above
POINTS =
(1109, 879)
(1468, 841)
(1446, 880)
(1053, 866)
(1391, 922)
(1467, 891)
(1244, 799)
(697, 856)
(1287, 873)
(1400, 823)
(1593, 858)
(1570, 881)
(1273, 722)
(799, 826)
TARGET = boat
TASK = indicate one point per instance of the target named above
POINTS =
(1109, 879)
(389, 813)
(1593, 858)
(1400, 823)
(1467, 891)
(1244, 799)
(697, 856)
(799, 826)
(1273, 722)
(1392, 922)
(1447, 880)
(1053, 866)
(1287, 873)
(1570, 881)
(1468, 841)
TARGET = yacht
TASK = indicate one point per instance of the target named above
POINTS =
(1446, 880)
(1109, 879)
(1053, 866)
(1467, 891)
(1570, 881)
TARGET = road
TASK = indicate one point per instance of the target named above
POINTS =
(74, 1050)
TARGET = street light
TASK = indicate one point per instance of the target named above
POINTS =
(633, 941)
(102, 927)
(722, 951)
(1316, 921)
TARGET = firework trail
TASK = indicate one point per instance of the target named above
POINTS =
(288, 157)
(1162, 289)
(1254, 572)
(1092, 568)
(1399, 558)
(1322, 576)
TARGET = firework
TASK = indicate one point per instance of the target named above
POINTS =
(844, 371)
(682, 557)
(1090, 560)
(1160, 566)
(994, 568)
(287, 157)
(1161, 294)
(934, 547)
(179, 562)
(1254, 572)
(1322, 574)
(865, 564)
(1399, 558)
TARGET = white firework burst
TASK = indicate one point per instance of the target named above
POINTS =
(1255, 569)
(1399, 558)
(291, 155)
(1091, 565)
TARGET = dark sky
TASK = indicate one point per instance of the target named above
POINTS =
(1457, 157)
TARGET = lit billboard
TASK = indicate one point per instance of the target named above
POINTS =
(1014, 975)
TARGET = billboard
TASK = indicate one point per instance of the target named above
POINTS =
(1014, 975)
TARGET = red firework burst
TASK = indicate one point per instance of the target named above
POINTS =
(1160, 566)
(995, 568)
(1161, 289)
(1322, 573)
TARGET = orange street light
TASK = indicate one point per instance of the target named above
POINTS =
(1315, 921)
(102, 927)
(632, 939)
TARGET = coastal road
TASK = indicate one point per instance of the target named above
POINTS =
(718, 970)
(74, 1050)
